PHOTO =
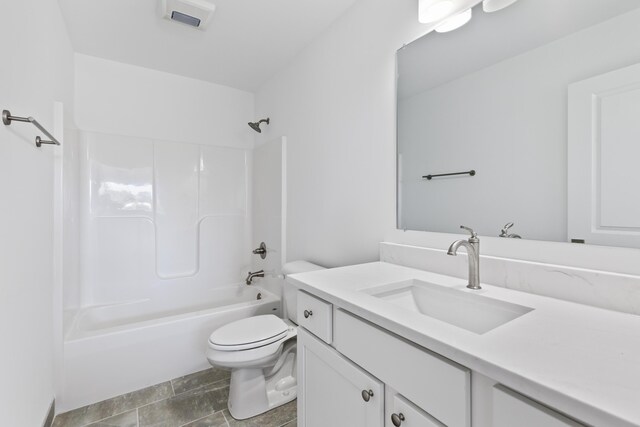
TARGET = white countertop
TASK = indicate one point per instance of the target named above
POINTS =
(580, 360)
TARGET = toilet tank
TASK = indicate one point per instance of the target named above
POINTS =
(289, 291)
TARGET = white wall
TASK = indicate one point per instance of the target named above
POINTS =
(123, 99)
(36, 70)
(336, 104)
(509, 122)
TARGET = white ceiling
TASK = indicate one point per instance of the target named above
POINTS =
(492, 37)
(246, 43)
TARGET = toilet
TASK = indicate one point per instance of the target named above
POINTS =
(261, 353)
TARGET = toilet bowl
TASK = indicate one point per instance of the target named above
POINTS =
(261, 353)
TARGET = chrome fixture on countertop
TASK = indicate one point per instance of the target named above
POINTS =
(251, 276)
(261, 250)
(473, 251)
(505, 232)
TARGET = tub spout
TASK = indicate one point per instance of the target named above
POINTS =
(252, 275)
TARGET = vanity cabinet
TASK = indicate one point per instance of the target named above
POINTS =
(333, 391)
(510, 407)
(352, 373)
(343, 384)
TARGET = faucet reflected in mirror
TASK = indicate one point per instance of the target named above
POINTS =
(505, 232)
(473, 251)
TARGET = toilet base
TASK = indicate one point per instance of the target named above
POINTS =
(254, 391)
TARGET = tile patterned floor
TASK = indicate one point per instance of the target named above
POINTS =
(196, 400)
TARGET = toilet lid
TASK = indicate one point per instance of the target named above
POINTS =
(251, 332)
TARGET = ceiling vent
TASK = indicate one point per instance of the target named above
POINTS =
(196, 13)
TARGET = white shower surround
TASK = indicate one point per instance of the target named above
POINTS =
(156, 216)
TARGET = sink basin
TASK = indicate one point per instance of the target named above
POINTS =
(464, 309)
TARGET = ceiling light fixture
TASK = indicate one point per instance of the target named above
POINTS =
(454, 22)
(495, 5)
(433, 10)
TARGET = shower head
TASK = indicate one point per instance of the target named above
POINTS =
(256, 125)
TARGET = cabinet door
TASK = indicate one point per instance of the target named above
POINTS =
(402, 413)
(334, 392)
(512, 409)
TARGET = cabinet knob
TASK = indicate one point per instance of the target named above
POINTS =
(367, 395)
(397, 419)
(308, 313)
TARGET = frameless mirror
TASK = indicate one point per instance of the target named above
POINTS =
(541, 100)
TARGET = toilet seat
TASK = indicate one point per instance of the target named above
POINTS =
(249, 333)
(257, 353)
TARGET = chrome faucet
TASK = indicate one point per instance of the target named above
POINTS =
(505, 232)
(252, 275)
(473, 251)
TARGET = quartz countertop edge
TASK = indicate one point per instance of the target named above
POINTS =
(579, 360)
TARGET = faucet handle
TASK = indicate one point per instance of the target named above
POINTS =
(474, 235)
(505, 230)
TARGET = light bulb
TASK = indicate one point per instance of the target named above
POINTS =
(454, 22)
(495, 5)
(433, 10)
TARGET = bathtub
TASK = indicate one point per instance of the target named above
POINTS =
(114, 349)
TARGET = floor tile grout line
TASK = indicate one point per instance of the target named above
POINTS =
(225, 419)
(200, 386)
(287, 422)
(155, 401)
(173, 390)
(201, 418)
(137, 418)
(106, 418)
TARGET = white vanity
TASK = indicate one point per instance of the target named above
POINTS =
(373, 351)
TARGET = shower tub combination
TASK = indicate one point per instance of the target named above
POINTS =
(114, 349)
(156, 242)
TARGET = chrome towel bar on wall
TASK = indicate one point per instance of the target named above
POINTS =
(7, 118)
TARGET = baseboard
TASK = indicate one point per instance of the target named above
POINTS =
(52, 412)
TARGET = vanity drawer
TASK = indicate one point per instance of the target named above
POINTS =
(407, 414)
(511, 408)
(316, 316)
(437, 385)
